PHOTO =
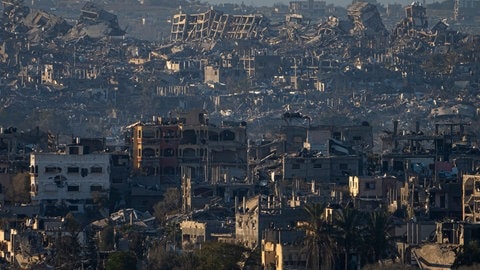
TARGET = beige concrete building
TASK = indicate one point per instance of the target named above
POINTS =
(212, 74)
(283, 249)
(72, 179)
(471, 198)
(371, 192)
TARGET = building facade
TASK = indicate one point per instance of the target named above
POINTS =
(71, 179)
(154, 148)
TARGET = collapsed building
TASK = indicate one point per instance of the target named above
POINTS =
(39, 25)
(214, 24)
(366, 19)
(216, 163)
(36, 25)
(465, 10)
(95, 22)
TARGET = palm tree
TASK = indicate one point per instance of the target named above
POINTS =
(347, 222)
(379, 224)
(320, 243)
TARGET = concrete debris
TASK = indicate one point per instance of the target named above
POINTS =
(40, 26)
(95, 22)
(432, 256)
(126, 216)
(366, 19)
(216, 25)
(259, 80)
(37, 25)
(44, 26)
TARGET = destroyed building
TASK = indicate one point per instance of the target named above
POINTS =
(254, 216)
(214, 24)
(97, 22)
(335, 69)
(35, 25)
(308, 7)
(213, 224)
(416, 15)
(465, 10)
(366, 19)
(370, 192)
(283, 248)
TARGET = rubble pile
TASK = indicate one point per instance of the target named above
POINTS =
(293, 102)
(44, 26)
(218, 58)
(36, 25)
(96, 23)
(366, 19)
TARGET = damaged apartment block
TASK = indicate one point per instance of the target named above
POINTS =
(215, 25)
(91, 14)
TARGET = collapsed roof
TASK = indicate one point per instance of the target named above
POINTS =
(96, 23)
(366, 19)
(37, 25)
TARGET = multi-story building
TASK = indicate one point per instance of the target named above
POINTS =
(308, 7)
(465, 10)
(154, 148)
(416, 15)
(214, 153)
(299, 134)
(471, 198)
(74, 179)
(160, 147)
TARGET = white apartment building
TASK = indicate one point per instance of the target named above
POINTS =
(71, 179)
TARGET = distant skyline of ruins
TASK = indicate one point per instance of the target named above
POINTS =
(336, 2)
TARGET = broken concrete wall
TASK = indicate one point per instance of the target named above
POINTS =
(366, 19)
(215, 25)
(95, 23)
(44, 26)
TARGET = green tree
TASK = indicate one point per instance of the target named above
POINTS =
(320, 243)
(186, 261)
(379, 242)
(160, 258)
(107, 238)
(215, 255)
(71, 224)
(349, 232)
(173, 234)
(170, 204)
(136, 243)
(18, 189)
(121, 261)
(67, 247)
(67, 252)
